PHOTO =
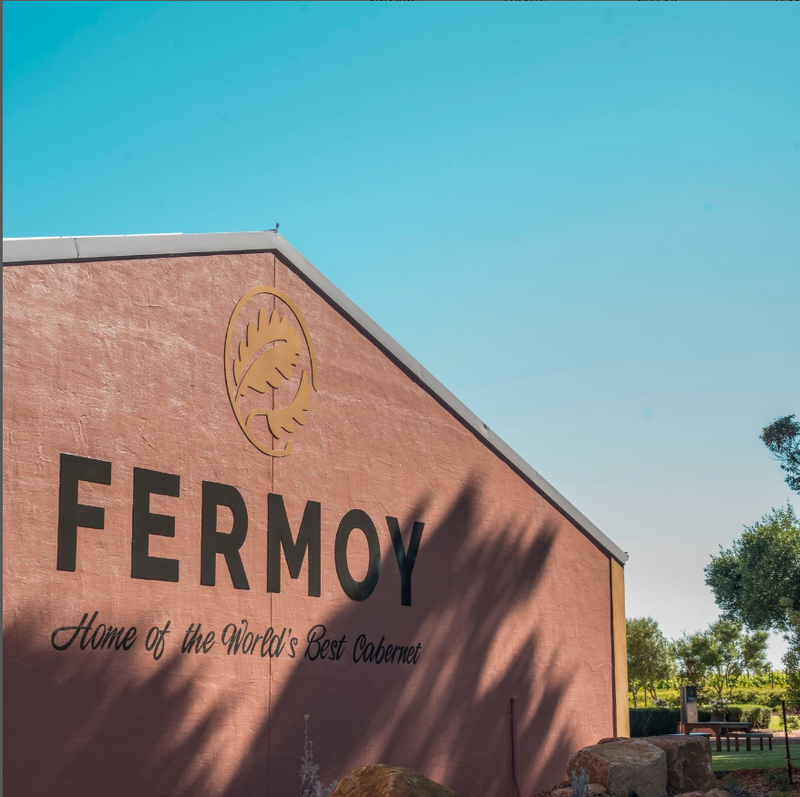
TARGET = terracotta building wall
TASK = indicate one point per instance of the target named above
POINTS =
(122, 361)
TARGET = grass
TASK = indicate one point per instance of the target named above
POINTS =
(755, 759)
(776, 723)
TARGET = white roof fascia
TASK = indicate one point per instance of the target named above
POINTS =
(21, 251)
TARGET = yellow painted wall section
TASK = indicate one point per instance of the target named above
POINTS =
(622, 723)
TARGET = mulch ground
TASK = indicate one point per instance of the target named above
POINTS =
(741, 783)
(760, 783)
(562, 785)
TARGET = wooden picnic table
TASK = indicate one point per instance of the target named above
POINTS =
(717, 728)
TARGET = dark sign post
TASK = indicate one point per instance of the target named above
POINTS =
(689, 704)
(786, 736)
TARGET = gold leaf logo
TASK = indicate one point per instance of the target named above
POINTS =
(270, 368)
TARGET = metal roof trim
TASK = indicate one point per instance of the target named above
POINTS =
(21, 251)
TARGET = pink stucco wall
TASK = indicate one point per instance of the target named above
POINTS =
(122, 361)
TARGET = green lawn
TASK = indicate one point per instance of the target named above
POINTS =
(755, 759)
(776, 723)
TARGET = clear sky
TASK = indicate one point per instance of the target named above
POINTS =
(583, 218)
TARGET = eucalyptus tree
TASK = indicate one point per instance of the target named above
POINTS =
(650, 657)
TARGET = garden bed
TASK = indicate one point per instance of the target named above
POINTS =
(760, 783)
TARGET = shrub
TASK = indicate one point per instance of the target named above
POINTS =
(653, 721)
(580, 783)
(310, 784)
(755, 696)
(672, 696)
(793, 690)
(758, 715)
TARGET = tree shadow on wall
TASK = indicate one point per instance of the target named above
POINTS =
(456, 724)
(81, 723)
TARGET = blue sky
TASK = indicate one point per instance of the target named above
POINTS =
(581, 217)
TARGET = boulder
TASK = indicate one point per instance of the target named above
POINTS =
(383, 781)
(624, 766)
(688, 761)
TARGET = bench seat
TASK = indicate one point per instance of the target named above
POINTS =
(748, 737)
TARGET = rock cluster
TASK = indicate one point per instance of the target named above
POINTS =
(647, 766)
(615, 768)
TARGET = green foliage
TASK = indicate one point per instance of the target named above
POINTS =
(758, 578)
(653, 721)
(768, 678)
(792, 662)
(690, 652)
(649, 656)
(782, 438)
(793, 723)
(746, 695)
(716, 659)
(730, 652)
(746, 759)
(759, 715)
(759, 696)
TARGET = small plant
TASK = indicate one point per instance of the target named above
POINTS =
(310, 784)
(778, 781)
(580, 783)
(733, 781)
(776, 776)
(793, 723)
(719, 705)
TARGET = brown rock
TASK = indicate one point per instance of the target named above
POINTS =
(688, 761)
(624, 766)
(383, 781)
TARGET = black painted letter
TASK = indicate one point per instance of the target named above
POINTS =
(145, 523)
(279, 534)
(214, 542)
(71, 514)
(405, 561)
(357, 590)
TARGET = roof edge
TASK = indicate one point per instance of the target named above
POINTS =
(21, 251)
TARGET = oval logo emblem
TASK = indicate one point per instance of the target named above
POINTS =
(270, 368)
